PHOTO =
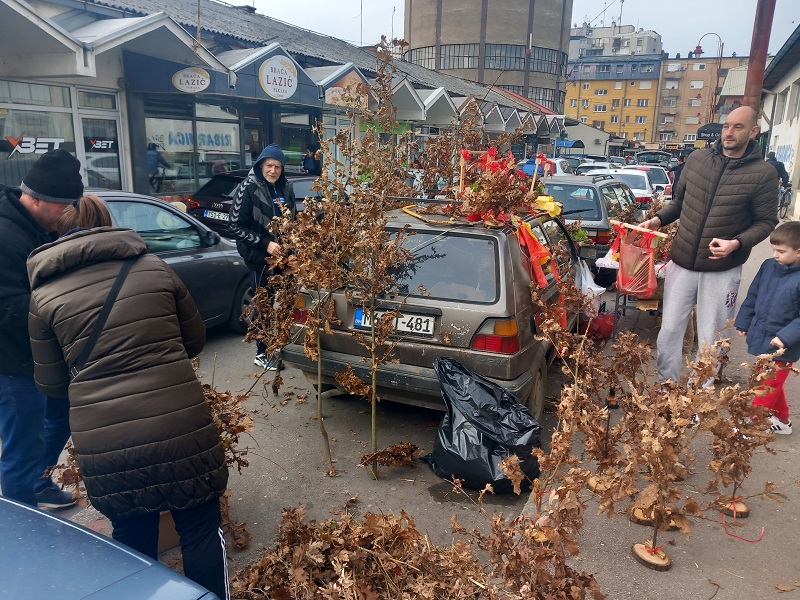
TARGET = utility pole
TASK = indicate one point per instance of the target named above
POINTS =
(762, 27)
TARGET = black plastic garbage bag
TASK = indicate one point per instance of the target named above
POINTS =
(484, 424)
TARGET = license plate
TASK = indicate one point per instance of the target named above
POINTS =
(219, 216)
(416, 324)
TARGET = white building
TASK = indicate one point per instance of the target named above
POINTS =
(617, 40)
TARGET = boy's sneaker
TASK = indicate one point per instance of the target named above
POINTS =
(52, 497)
(264, 362)
(780, 427)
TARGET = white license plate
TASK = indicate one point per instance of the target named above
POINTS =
(211, 214)
(416, 324)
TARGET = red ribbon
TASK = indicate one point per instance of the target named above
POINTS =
(733, 535)
(654, 550)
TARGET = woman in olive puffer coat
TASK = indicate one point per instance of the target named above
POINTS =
(141, 428)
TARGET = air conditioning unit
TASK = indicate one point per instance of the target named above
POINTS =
(597, 141)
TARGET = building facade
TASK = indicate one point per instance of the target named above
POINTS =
(689, 92)
(615, 94)
(517, 45)
(618, 40)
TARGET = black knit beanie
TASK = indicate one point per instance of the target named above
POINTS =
(55, 177)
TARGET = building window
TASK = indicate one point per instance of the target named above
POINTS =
(618, 85)
(641, 120)
(645, 85)
(670, 85)
(627, 118)
(584, 119)
(586, 86)
(34, 94)
(614, 119)
(627, 102)
(699, 67)
(693, 120)
(517, 89)
(601, 92)
(673, 67)
(458, 56)
(573, 103)
(648, 68)
(599, 124)
(643, 102)
(696, 84)
(599, 108)
(587, 69)
(780, 106)
(667, 119)
(585, 103)
(669, 102)
(689, 137)
(546, 97)
(638, 136)
(545, 60)
(795, 112)
(634, 67)
(91, 99)
(665, 137)
(509, 57)
(603, 68)
(620, 69)
(615, 103)
(695, 101)
(425, 57)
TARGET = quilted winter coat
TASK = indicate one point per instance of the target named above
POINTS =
(721, 197)
(140, 425)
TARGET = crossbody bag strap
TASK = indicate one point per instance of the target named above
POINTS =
(101, 319)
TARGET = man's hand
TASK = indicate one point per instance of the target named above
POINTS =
(776, 341)
(274, 249)
(742, 333)
(653, 223)
(721, 248)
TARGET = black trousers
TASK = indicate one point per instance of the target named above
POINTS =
(202, 544)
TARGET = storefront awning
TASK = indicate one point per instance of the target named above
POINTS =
(407, 102)
(492, 117)
(55, 52)
(710, 131)
(570, 144)
(440, 110)
(511, 117)
(340, 81)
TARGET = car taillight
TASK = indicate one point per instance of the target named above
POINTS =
(190, 204)
(644, 199)
(668, 190)
(300, 311)
(497, 335)
(603, 237)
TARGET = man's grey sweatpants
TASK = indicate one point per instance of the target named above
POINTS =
(715, 296)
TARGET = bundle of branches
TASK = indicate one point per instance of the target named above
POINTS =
(383, 556)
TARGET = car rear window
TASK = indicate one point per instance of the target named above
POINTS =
(578, 200)
(451, 267)
(220, 186)
(658, 176)
(634, 180)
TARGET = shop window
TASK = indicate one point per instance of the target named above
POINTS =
(169, 155)
(35, 94)
(295, 135)
(213, 111)
(102, 153)
(27, 134)
(89, 99)
(217, 149)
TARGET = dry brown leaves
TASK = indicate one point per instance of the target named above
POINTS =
(402, 453)
(232, 420)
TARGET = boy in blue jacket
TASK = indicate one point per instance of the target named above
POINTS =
(770, 317)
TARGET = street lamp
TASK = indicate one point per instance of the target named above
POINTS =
(698, 51)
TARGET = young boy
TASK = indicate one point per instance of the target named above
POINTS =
(770, 317)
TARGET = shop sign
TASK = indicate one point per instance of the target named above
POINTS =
(176, 136)
(33, 145)
(278, 77)
(349, 85)
(99, 145)
(191, 80)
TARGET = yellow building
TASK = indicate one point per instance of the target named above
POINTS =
(617, 94)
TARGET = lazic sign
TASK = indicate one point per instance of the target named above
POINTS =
(191, 80)
(278, 77)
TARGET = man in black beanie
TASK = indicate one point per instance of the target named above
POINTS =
(33, 427)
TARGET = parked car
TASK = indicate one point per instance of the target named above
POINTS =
(574, 161)
(594, 200)
(659, 178)
(595, 158)
(653, 157)
(617, 160)
(209, 265)
(475, 306)
(592, 166)
(211, 204)
(562, 166)
(638, 181)
(44, 556)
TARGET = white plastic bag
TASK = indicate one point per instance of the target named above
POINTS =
(590, 291)
(606, 262)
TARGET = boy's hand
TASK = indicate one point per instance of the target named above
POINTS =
(776, 341)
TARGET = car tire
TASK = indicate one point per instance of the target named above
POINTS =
(242, 300)
(535, 401)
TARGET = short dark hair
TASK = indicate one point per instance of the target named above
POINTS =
(770, 155)
(786, 234)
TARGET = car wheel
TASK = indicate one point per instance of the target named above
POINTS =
(242, 300)
(536, 399)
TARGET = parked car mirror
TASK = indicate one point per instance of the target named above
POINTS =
(212, 238)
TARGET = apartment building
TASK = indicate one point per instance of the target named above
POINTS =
(617, 94)
(618, 40)
(689, 92)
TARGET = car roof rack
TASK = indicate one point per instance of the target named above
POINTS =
(601, 177)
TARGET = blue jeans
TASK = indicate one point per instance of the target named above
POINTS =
(33, 431)
(202, 544)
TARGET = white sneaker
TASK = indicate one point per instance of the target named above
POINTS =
(264, 362)
(780, 427)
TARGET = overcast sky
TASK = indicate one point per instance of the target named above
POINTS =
(681, 23)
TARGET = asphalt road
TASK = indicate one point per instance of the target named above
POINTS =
(287, 468)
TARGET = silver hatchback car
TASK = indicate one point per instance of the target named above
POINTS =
(468, 297)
